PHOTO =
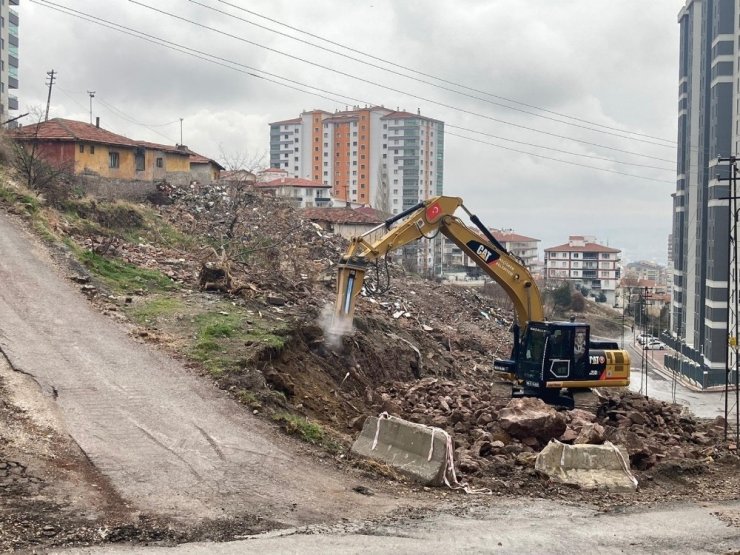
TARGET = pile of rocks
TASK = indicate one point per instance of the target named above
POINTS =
(492, 432)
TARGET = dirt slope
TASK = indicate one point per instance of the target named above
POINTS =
(168, 443)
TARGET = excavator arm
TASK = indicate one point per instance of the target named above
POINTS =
(426, 219)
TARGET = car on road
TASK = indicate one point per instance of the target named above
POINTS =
(645, 338)
(656, 344)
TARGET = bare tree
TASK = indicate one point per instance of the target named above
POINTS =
(33, 167)
(248, 160)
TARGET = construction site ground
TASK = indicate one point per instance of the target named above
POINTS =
(167, 377)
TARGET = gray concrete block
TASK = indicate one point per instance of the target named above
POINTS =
(405, 446)
(588, 466)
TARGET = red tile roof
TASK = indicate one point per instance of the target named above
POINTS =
(375, 213)
(196, 158)
(589, 247)
(292, 182)
(511, 237)
(59, 129)
(339, 216)
(164, 148)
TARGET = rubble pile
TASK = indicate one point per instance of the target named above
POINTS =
(495, 434)
(423, 351)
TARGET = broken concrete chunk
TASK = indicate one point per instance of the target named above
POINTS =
(587, 466)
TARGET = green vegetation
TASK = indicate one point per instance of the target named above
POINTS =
(308, 431)
(124, 277)
(150, 310)
(29, 203)
(301, 427)
(118, 215)
(221, 337)
(248, 398)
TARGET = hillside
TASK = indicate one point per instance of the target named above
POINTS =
(236, 284)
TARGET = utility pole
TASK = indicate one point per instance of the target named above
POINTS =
(92, 95)
(52, 75)
(180, 131)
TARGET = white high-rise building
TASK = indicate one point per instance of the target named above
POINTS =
(8, 58)
(389, 160)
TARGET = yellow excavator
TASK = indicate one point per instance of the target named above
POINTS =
(549, 359)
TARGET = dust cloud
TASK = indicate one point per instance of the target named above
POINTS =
(334, 328)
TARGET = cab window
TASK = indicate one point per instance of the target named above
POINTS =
(534, 349)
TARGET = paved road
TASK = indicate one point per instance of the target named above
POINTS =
(508, 526)
(170, 442)
(703, 404)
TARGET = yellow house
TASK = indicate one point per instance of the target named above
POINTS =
(89, 150)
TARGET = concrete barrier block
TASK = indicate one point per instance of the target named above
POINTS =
(588, 466)
(405, 446)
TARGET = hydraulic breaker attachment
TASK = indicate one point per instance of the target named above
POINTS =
(350, 275)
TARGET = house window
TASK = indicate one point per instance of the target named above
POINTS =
(113, 160)
(160, 162)
(92, 149)
(139, 160)
(82, 148)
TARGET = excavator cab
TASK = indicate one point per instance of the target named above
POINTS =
(553, 356)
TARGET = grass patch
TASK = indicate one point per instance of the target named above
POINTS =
(27, 202)
(301, 427)
(223, 337)
(117, 215)
(151, 310)
(124, 277)
(248, 398)
(308, 431)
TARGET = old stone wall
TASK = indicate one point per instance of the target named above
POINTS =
(112, 189)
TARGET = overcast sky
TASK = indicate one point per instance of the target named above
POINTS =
(613, 64)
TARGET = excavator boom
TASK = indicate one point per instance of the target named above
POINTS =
(425, 220)
(546, 356)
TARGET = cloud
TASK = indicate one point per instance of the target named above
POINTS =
(613, 63)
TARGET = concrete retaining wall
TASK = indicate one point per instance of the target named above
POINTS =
(405, 446)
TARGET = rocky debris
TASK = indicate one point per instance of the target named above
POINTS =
(422, 351)
(530, 417)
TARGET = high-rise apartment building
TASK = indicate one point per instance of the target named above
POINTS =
(583, 261)
(387, 159)
(706, 109)
(8, 58)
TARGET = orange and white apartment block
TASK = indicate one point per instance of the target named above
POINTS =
(386, 159)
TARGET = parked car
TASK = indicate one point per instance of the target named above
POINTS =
(657, 344)
(645, 338)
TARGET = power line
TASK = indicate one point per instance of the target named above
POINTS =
(124, 116)
(437, 85)
(192, 52)
(186, 50)
(370, 82)
(419, 72)
(447, 125)
(558, 159)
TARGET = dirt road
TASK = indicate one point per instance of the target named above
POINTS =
(169, 443)
(509, 526)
